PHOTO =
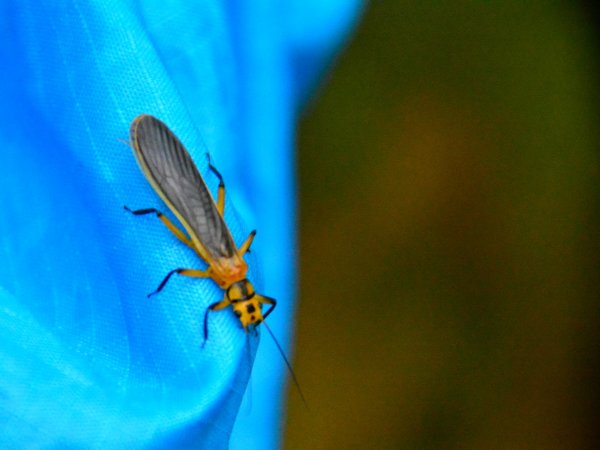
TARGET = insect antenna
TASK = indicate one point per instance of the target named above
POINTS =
(287, 363)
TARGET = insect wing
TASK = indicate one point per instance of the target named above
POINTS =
(173, 175)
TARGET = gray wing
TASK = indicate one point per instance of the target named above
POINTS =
(173, 175)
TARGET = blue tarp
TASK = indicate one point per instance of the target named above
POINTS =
(86, 360)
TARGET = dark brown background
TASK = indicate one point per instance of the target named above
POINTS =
(448, 176)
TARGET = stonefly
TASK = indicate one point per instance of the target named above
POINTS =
(172, 174)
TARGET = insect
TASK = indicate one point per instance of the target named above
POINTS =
(172, 174)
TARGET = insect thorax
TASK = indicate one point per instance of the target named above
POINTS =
(227, 272)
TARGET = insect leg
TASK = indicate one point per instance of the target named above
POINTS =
(187, 272)
(221, 192)
(214, 307)
(246, 245)
(170, 225)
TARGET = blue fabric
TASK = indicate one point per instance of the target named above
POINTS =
(86, 360)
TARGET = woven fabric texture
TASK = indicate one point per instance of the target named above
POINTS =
(86, 360)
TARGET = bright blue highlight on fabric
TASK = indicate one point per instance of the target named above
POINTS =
(86, 360)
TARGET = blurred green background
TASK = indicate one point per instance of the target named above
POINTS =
(449, 191)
